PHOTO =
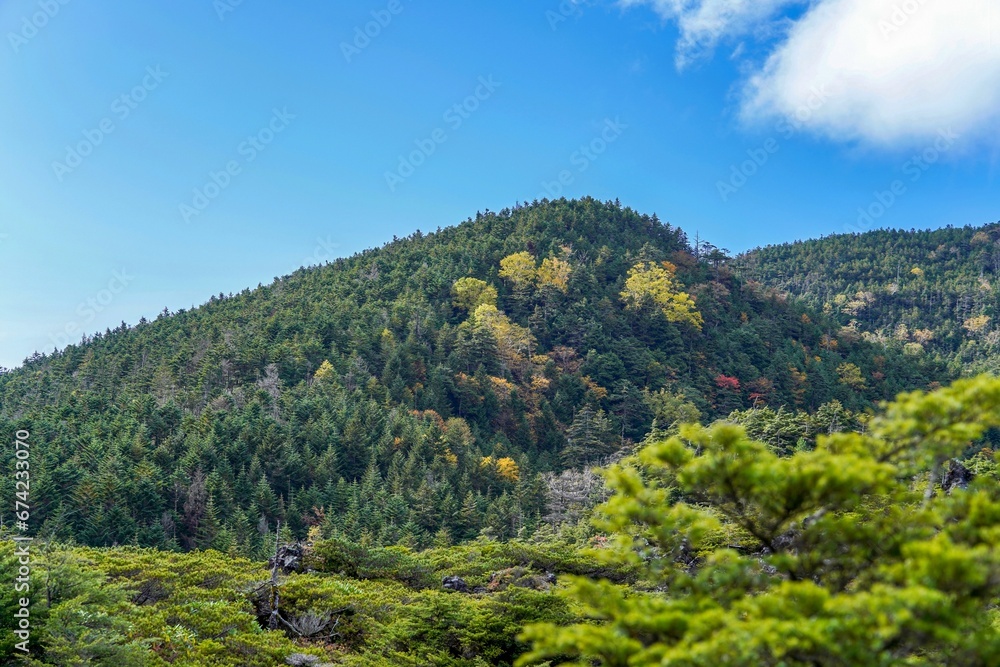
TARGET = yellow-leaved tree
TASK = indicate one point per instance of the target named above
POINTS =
(977, 324)
(554, 272)
(470, 293)
(325, 372)
(649, 282)
(514, 342)
(519, 269)
(505, 467)
(851, 375)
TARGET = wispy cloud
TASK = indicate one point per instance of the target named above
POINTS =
(704, 23)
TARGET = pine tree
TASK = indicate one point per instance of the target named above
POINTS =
(589, 438)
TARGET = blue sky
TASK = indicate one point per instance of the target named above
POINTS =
(155, 155)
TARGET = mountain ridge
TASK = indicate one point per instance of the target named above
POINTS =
(928, 289)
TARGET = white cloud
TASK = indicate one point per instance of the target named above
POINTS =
(703, 23)
(881, 71)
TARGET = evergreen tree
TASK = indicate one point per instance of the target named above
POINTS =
(589, 438)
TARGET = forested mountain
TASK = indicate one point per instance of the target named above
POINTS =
(926, 292)
(448, 385)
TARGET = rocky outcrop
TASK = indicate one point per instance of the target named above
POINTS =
(456, 584)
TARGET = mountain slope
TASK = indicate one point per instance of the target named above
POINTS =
(384, 398)
(926, 291)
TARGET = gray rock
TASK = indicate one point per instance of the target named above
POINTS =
(456, 584)
(956, 476)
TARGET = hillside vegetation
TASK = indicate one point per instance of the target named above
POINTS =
(441, 387)
(389, 460)
(857, 549)
(925, 292)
